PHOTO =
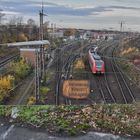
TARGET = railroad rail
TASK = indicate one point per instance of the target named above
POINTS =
(125, 91)
(27, 92)
(64, 67)
(21, 92)
(60, 69)
(103, 85)
(123, 85)
(67, 68)
(58, 78)
(8, 59)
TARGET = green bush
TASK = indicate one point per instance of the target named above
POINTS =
(44, 90)
(21, 69)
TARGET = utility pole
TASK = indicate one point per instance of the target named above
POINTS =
(41, 38)
(52, 27)
(37, 77)
(121, 25)
(42, 56)
(55, 27)
(39, 67)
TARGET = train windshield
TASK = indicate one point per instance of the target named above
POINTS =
(99, 64)
(92, 50)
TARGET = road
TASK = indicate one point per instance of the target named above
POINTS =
(13, 132)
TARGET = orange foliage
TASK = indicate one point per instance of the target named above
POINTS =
(6, 84)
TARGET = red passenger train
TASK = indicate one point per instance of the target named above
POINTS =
(96, 64)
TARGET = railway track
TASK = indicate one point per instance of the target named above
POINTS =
(123, 93)
(27, 92)
(109, 93)
(58, 77)
(63, 75)
(63, 70)
(109, 73)
(22, 91)
(67, 70)
(8, 59)
(103, 87)
(125, 89)
(60, 64)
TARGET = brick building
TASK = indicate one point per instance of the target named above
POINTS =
(29, 54)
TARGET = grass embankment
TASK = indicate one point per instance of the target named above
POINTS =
(75, 120)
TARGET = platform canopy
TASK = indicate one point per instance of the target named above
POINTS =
(29, 43)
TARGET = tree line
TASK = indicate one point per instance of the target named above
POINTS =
(15, 30)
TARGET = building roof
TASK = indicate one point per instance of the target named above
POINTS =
(29, 49)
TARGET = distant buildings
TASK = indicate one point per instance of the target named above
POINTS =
(58, 34)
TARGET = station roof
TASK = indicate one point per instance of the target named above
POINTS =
(29, 43)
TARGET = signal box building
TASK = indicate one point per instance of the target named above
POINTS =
(29, 54)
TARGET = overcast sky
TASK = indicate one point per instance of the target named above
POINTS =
(87, 14)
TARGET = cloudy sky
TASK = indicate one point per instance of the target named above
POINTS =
(87, 14)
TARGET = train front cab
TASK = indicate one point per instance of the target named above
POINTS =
(98, 69)
(94, 68)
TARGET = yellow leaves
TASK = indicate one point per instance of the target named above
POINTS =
(70, 32)
(21, 68)
(129, 50)
(6, 84)
(22, 37)
(44, 90)
(46, 46)
(79, 64)
(31, 100)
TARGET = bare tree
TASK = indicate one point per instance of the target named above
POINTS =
(16, 20)
(1, 16)
(19, 20)
(30, 22)
(13, 20)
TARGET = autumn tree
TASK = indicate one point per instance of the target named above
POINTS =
(19, 20)
(77, 34)
(69, 32)
(22, 37)
(13, 20)
(21, 69)
(32, 29)
(6, 84)
(30, 22)
(31, 100)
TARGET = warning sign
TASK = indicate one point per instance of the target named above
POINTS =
(76, 89)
